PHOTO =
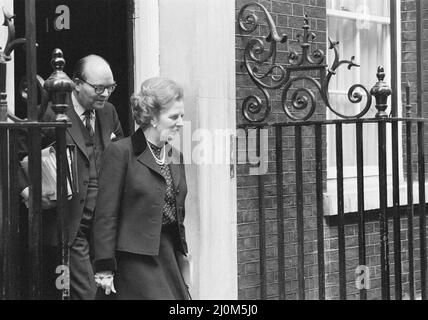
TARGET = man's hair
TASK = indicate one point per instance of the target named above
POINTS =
(79, 67)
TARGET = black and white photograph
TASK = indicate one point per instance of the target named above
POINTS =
(214, 154)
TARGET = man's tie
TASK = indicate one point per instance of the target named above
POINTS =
(88, 125)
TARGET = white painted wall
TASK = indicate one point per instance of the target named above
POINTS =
(196, 47)
(10, 86)
(146, 40)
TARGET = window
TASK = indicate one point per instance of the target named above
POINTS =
(362, 28)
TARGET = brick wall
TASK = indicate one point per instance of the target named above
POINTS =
(409, 65)
(409, 74)
(288, 16)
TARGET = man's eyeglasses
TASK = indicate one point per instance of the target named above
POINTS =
(99, 89)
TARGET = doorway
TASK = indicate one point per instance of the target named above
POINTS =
(79, 28)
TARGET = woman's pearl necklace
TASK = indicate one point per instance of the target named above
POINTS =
(161, 161)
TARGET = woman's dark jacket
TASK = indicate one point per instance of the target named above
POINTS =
(130, 199)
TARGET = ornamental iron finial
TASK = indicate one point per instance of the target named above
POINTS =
(267, 74)
(381, 91)
(59, 86)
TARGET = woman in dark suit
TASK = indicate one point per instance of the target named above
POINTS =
(138, 229)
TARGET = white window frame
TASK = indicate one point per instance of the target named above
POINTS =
(370, 172)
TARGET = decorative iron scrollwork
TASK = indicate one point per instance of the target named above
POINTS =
(57, 87)
(5, 57)
(23, 94)
(354, 95)
(253, 107)
(260, 62)
(11, 42)
(305, 40)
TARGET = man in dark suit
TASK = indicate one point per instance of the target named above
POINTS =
(95, 124)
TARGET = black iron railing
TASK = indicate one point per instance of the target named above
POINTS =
(297, 86)
(400, 213)
(21, 250)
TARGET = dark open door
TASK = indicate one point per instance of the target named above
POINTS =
(79, 28)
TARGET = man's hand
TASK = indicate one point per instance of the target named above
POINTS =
(46, 202)
(105, 281)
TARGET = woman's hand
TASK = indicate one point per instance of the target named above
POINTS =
(105, 281)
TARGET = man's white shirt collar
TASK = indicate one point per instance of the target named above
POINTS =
(80, 110)
(78, 107)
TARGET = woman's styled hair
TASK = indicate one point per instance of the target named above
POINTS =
(155, 93)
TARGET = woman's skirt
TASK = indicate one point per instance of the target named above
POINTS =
(144, 277)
